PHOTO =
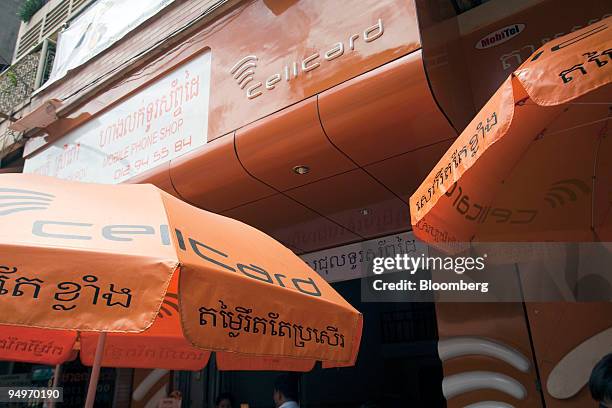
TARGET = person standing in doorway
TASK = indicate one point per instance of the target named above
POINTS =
(224, 400)
(286, 394)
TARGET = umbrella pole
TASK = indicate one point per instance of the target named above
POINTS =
(95, 371)
(56, 375)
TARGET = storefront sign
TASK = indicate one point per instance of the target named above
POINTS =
(244, 70)
(353, 261)
(100, 26)
(500, 36)
(164, 120)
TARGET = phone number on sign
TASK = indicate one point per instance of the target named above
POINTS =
(13, 394)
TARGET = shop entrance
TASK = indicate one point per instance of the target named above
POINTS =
(398, 365)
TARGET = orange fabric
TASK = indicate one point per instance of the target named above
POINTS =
(355, 351)
(100, 258)
(56, 235)
(570, 66)
(161, 346)
(534, 164)
(254, 296)
(37, 346)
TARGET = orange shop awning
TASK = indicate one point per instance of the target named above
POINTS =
(535, 164)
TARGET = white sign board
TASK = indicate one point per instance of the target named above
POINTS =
(99, 27)
(352, 261)
(166, 119)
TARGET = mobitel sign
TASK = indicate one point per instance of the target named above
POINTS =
(499, 36)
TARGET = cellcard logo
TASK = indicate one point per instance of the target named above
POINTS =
(499, 36)
(169, 306)
(84, 231)
(13, 200)
(563, 191)
(243, 71)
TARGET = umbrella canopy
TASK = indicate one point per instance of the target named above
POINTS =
(161, 346)
(164, 346)
(100, 258)
(535, 164)
(37, 346)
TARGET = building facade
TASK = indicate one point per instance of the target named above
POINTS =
(313, 121)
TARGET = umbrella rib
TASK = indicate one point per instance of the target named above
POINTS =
(578, 126)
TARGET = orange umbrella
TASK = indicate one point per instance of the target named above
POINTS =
(535, 164)
(100, 258)
(161, 346)
(38, 346)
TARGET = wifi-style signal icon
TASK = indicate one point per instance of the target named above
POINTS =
(563, 191)
(14, 200)
(463, 382)
(170, 302)
(244, 70)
